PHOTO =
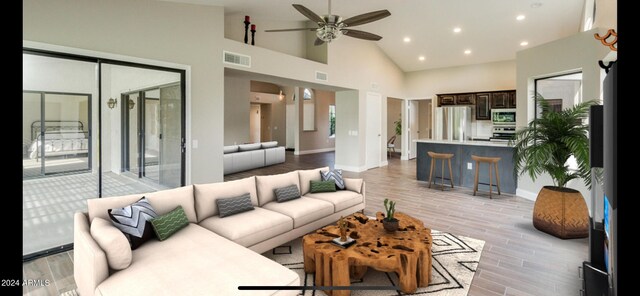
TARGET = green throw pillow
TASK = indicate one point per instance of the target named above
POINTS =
(323, 186)
(169, 223)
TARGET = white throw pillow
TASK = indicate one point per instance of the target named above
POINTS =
(354, 185)
(113, 242)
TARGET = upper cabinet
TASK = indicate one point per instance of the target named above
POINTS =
(505, 99)
(464, 99)
(446, 100)
(482, 101)
(483, 108)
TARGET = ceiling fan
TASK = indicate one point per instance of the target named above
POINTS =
(331, 26)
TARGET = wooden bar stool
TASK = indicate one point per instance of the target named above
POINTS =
(493, 162)
(434, 158)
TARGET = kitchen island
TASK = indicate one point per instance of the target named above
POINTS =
(464, 167)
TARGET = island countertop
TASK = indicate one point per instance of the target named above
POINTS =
(466, 142)
(463, 166)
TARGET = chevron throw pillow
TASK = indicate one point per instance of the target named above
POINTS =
(234, 205)
(169, 223)
(287, 193)
(335, 175)
(323, 186)
(133, 221)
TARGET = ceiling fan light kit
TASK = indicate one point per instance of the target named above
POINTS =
(331, 27)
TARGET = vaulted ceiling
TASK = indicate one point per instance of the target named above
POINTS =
(488, 29)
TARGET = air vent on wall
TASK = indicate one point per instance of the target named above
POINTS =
(322, 76)
(236, 59)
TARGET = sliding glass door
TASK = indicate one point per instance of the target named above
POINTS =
(94, 128)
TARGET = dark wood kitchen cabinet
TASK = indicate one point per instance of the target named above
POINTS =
(446, 100)
(483, 107)
(464, 99)
(499, 100)
(512, 100)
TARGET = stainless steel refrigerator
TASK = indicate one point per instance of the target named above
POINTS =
(453, 123)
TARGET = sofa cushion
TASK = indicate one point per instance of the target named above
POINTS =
(249, 228)
(303, 210)
(230, 149)
(133, 221)
(341, 199)
(323, 186)
(266, 184)
(335, 175)
(354, 185)
(287, 193)
(271, 144)
(249, 147)
(169, 223)
(196, 261)
(162, 201)
(206, 195)
(234, 205)
(113, 242)
(309, 175)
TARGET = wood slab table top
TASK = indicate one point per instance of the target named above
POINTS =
(406, 252)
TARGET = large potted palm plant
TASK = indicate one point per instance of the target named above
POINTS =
(545, 146)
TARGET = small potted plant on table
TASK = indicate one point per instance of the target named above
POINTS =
(390, 223)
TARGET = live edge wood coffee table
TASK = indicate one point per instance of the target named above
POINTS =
(406, 252)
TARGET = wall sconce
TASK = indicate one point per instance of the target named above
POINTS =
(111, 103)
(281, 96)
(131, 104)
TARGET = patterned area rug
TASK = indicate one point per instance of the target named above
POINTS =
(455, 259)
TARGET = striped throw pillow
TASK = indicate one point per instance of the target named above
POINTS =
(335, 175)
(287, 193)
(323, 186)
(169, 223)
(133, 221)
(234, 205)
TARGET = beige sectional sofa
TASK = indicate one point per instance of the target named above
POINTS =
(212, 255)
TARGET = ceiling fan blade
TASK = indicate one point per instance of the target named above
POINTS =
(361, 35)
(366, 18)
(308, 13)
(318, 42)
(287, 30)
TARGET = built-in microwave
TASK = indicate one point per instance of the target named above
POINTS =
(503, 116)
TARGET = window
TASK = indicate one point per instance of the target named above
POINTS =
(560, 92)
(332, 121)
(307, 94)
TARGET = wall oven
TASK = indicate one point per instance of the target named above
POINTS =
(503, 117)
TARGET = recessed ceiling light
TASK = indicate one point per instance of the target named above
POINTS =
(536, 4)
(524, 43)
(457, 30)
(406, 39)
(468, 51)
(520, 17)
(421, 58)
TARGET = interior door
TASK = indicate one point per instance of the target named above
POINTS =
(374, 130)
(290, 125)
(254, 123)
(414, 128)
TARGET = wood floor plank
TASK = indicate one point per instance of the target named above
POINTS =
(38, 270)
(62, 271)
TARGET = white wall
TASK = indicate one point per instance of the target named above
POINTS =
(471, 78)
(148, 29)
(291, 43)
(577, 52)
(236, 110)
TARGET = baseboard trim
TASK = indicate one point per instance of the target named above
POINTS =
(314, 151)
(526, 194)
(350, 168)
(384, 163)
(404, 157)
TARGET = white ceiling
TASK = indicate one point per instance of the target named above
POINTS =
(489, 27)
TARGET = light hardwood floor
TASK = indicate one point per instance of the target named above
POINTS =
(517, 259)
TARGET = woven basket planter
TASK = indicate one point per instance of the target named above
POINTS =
(561, 212)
